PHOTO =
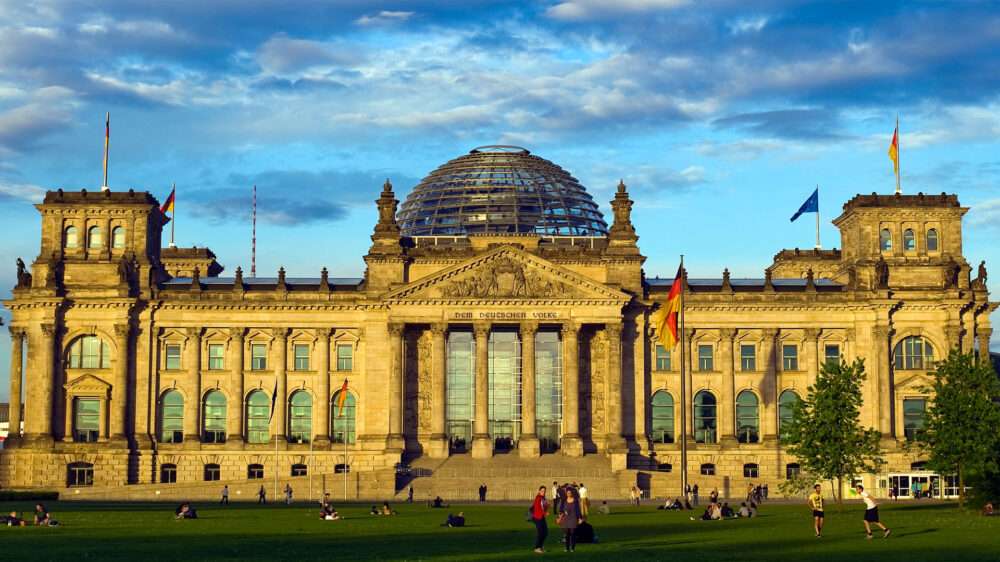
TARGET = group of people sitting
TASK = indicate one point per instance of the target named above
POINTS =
(326, 511)
(185, 511)
(386, 510)
(714, 511)
(41, 518)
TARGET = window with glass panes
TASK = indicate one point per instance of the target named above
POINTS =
(118, 237)
(548, 389)
(172, 357)
(705, 358)
(832, 354)
(748, 358)
(89, 352)
(212, 473)
(94, 237)
(255, 471)
(913, 353)
(300, 470)
(790, 357)
(300, 418)
(786, 401)
(663, 417)
(345, 357)
(792, 471)
(662, 359)
(86, 419)
(747, 418)
(460, 388)
(258, 412)
(932, 240)
(343, 419)
(216, 353)
(168, 474)
(172, 417)
(913, 416)
(72, 237)
(214, 418)
(258, 357)
(708, 469)
(80, 474)
(704, 417)
(751, 470)
(301, 352)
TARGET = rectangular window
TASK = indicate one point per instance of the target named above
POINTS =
(705, 358)
(344, 357)
(833, 354)
(86, 420)
(748, 358)
(215, 356)
(168, 475)
(92, 353)
(173, 357)
(258, 357)
(790, 357)
(662, 359)
(80, 475)
(913, 416)
(301, 352)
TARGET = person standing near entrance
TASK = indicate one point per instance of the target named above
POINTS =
(538, 512)
(815, 503)
(225, 495)
(871, 513)
(584, 502)
(482, 492)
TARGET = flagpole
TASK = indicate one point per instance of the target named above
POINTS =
(173, 213)
(817, 217)
(898, 191)
(275, 453)
(683, 389)
(107, 140)
(311, 439)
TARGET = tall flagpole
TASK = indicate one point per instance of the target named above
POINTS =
(253, 237)
(817, 217)
(275, 450)
(173, 213)
(683, 390)
(898, 191)
(107, 141)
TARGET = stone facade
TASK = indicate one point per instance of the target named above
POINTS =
(115, 337)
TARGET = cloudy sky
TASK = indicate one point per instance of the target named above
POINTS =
(720, 116)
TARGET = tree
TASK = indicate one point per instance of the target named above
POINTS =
(960, 426)
(826, 434)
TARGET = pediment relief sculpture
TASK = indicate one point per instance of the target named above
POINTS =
(504, 277)
(87, 384)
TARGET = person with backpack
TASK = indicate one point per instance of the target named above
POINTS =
(538, 512)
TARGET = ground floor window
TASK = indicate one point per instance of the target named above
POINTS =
(255, 471)
(212, 473)
(168, 474)
(341, 468)
(751, 470)
(80, 474)
(708, 469)
(792, 471)
(300, 470)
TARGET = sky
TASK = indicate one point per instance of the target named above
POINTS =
(721, 116)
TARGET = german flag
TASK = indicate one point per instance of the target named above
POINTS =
(168, 205)
(894, 149)
(341, 398)
(666, 322)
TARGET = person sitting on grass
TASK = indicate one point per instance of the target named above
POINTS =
(438, 502)
(386, 510)
(712, 512)
(753, 509)
(604, 509)
(185, 511)
(987, 510)
(727, 511)
(687, 504)
(326, 511)
(455, 520)
(13, 520)
(375, 511)
(744, 512)
(41, 515)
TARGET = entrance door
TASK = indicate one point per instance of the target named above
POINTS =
(505, 389)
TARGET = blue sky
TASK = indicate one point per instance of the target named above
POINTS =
(720, 116)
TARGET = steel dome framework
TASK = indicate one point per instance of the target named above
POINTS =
(500, 189)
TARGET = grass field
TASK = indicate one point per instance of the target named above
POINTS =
(99, 531)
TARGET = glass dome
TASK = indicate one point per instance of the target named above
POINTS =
(500, 189)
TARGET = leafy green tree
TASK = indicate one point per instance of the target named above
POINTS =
(826, 434)
(961, 425)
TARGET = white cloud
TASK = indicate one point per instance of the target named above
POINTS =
(739, 151)
(747, 25)
(23, 191)
(384, 17)
(284, 55)
(578, 10)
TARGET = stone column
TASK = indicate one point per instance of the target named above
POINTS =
(68, 419)
(883, 390)
(281, 382)
(482, 443)
(983, 334)
(16, 373)
(812, 355)
(119, 394)
(192, 406)
(727, 412)
(953, 335)
(234, 409)
(770, 386)
(395, 440)
(571, 443)
(528, 446)
(321, 413)
(438, 446)
(614, 440)
(44, 394)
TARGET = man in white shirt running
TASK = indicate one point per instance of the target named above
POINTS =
(871, 513)
(584, 502)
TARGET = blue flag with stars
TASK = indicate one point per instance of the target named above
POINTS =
(810, 206)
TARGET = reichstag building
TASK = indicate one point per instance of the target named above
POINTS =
(499, 315)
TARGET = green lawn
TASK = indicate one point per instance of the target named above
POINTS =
(920, 531)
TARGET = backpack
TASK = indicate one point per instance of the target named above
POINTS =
(530, 515)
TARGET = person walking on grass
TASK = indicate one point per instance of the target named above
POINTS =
(225, 495)
(584, 501)
(288, 494)
(538, 512)
(409, 498)
(261, 496)
(569, 518)
(815, 503)
(871, 513)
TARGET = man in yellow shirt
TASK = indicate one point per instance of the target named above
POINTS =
(815, 503)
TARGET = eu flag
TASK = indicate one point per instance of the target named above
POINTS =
(810, 206)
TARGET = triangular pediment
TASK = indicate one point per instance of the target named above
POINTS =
(507, 273)
(87, 384)
(914, 383)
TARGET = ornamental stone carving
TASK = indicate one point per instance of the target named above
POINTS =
(504, 277)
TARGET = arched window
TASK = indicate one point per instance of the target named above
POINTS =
(89, 352)
(300, 422)
(212, 473)
(751, 470)
(258, 413)
(168, 474)
(913, 353)
(932, 240)
(908, 240)
(885, 240)
(343, 418)
(747, 418)
(172, 417)
(80, 474)
(300, 470)
(71, 237)
(214, 418)
(86, 419)
(704, 417)
(255, 471)
(786, 401)
(663, 417)
(708, 469)
(94, 237)
(117, 237)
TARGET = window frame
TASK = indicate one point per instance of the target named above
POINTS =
(752, 433)
(785, 406)
(751, 470)
(748, 362)
(936, 236)
(792, 471)
(172, 361)
(831, 359)
(300, 362)
(216, 362)
(94, 238)
(706, 363)
(885, 240)
(176, 428)
(904, 357)
(702, 435)
(295, 414)
(75, 470)
(662, 426)
(258, 362)
(909, 240)
(168, 473)
(909, 419)
(345, 362)
(211, 473)
(71, 230)
(83, 355)
(347, 423)
(299, 469)
(707, 469)
(83, 433)
(789, 362)
(118, 237)
(260, 432)
(662, 358)
(255, 471)
(217, 433)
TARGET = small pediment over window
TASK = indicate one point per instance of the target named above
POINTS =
(87, 385)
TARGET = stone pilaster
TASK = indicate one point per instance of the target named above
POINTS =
(281, 382)
(321, 415)
(982, 333)
(192, 406)
(687, 420)
(482, 444)
(880, 341)
(727, 413)
(615, 441)
(119, 394)
(528, 446)
(39, 410)
(234, 409)
(571, 444)
(438, 446)
(770, 400)
(16, 374)
(812, 357)
(394, 440)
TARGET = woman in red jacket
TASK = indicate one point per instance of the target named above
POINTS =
(538, 512)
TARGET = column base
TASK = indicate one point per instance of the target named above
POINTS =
(571, 445)
(615, 444)
(529, 447)
(12, 442)
(235, 442)
(889, 443)
(38, 441)
(191, 442)
(119, 440)
(395, 443)
(437, 448)
(482, 446)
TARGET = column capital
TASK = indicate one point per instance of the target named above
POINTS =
(812, 334)
(570, 329)
(395, 329)
(770, 334)
(614, 329)
(985, 332)
(727, 333)
(123, 330)
(529, 328)
(193, 333)
(439, 328)
(688, 333)
(953, 333)
(237, 333)
(48, 329)
(16, 332)
(279, 333)
(481, 329)
(880, 332)
(322, 334)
